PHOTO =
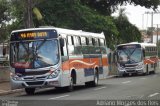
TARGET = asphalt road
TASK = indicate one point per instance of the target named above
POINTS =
(116, 88)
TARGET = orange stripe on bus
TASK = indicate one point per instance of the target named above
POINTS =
(150, 60)
(83, 63)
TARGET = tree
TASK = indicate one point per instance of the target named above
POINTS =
(127, 31)
(106, 7)
(4, 19)
(76, 16)
(24, 11)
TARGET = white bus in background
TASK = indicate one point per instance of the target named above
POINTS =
(135, 58)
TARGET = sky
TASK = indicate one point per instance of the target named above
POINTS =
(135, 15)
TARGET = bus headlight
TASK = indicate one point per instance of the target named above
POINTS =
(15, 77)
(120, 67)
(54, 74)
(139, 66)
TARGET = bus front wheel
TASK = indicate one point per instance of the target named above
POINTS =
(71, 86)
(147, 72)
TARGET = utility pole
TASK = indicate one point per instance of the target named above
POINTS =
(151, 24)
(142, 21)
(29, 20)
(152, 13)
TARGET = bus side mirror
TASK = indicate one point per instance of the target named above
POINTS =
(61, 42)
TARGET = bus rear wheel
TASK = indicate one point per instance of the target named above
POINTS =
(29, 91)
(93, 83)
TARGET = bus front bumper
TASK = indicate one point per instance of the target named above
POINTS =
(35, 83)
(136, 71)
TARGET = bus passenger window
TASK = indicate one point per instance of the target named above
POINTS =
(90, 41)
(87, 41)
(70, 40)
(101, 42)
(76, 41)
(64, 49)
(93, 41)
(83, 40)
(96, 42)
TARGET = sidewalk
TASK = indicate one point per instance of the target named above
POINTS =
(5, 88)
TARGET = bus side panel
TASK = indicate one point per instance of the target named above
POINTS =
(84, 67)
(105, 66)
(150, 62)
(65, 77)
(77, 63)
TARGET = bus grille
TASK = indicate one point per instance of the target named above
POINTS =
(35, 78)
(131, 71)
(131, 65)
(35, 83)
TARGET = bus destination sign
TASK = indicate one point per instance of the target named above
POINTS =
(33, 35)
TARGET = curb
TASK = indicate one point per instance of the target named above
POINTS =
(111, 76)
(11, 92)
(22, 90)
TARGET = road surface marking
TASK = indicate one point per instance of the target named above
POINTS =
(126, 82)
(143, 78)
(141, 96)
(153, 94)
(59, 97)
(100, 88)
(155, 75)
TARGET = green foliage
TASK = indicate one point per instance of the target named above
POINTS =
(106, 7)
(87, 15)
(127, 31)
(4, 18)
(76, 16)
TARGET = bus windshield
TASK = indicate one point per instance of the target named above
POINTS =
(34, 54)
(129, 55)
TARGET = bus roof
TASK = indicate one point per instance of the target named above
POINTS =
(65, 31)
(142, 44)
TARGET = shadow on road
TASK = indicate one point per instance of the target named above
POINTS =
(57, 91)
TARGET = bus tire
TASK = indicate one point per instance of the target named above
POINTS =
(154, 70)
(30, 91)
(70, 88)
(93, 83)
(96, 79)
(147, 72)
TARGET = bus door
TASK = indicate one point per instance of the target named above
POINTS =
(112, 63)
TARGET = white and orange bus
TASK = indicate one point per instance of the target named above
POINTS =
(56, 57)
(136, 58)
